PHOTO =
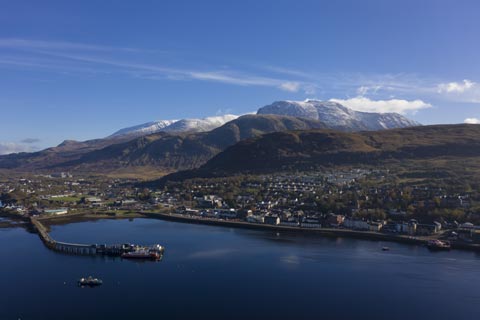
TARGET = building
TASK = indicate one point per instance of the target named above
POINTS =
(427, 229)
(375, 226)
(227, 214)
(255, 219)
(335, 220)
(273, 220)
(356, 224)
(209, 202)
(56, 212)
(311, 223)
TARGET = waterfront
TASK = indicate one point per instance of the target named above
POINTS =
(233, 273)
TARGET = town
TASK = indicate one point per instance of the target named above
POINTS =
(352, 199)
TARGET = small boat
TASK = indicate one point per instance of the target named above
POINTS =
(91, 282)
(385, 248)
(438, 245)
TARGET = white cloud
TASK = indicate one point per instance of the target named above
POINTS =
(12, 147)
(465, 91)
(472, 121)
(290, 86)
(458, 87)
(393, 105)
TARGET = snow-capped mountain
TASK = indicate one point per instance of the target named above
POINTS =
(183, 125)
(336, 115)
(145, 128)
(332, 114)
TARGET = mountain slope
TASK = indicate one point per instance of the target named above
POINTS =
(313, 149)
(337, 116)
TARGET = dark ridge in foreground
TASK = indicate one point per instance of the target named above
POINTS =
(313, 149)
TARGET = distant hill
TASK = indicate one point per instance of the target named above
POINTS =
(337, 116)
(313, 149)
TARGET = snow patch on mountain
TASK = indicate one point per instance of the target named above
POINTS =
(183, 125)
(336, 115)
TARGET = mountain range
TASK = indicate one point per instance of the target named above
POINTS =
(172, 145)
(332, 114)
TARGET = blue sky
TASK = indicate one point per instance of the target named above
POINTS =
(83, 69)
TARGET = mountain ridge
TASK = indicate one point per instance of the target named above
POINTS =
(314, 149)
(336, 115)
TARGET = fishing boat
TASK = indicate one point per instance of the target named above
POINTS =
(89, 281)
(438, 245)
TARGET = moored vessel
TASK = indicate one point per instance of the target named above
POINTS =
(142, 254)
(438, 245)
(90, 281)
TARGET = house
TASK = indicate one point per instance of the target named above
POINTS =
(375, 226)
(289, 222)
(311, 223)
(227, 214)
(128, 202)
(210, 201)
(255, 219)
(335, 220)
(273, 220)
(356, 224)
(426, 229)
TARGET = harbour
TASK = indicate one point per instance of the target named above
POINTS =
(125, 250)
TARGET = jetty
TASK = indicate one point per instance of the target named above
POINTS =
(89, 249)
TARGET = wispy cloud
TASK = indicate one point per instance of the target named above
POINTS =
(383, 106)
(92, 54)
(396, 89)
(28, 44)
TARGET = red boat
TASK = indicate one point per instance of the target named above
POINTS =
(142, 254)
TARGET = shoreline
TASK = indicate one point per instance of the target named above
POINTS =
(324, 232)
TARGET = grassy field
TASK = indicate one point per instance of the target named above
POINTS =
(67, 199)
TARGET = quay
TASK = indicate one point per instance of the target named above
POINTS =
(88, 249)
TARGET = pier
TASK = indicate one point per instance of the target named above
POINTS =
(88, 249)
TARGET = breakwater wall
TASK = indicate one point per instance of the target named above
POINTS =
(71, 248)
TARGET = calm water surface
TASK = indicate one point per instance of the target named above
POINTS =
(221, 273)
